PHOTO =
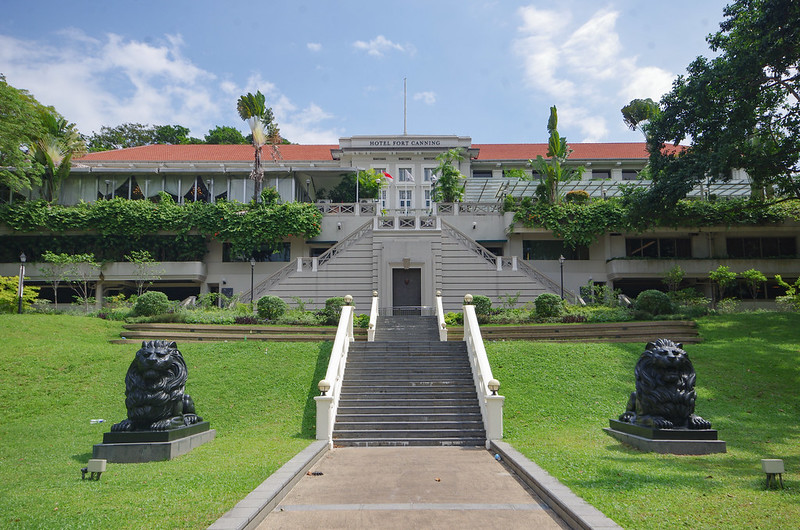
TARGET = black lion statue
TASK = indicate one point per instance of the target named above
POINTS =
(154, 390)
(665, 395)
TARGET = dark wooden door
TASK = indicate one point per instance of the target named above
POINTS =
(406, 290)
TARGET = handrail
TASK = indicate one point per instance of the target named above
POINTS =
(491, 404)
(543, 278)
(499, 262)
(440, 323)
(373, 317)
(331, 386)
(302, 264)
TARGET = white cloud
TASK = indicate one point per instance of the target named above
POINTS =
(314, 46)
(429, 98)
(378, 46)
(113, 80)
(583, 70)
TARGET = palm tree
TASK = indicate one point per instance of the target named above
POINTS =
(253, 109)
(54, 151)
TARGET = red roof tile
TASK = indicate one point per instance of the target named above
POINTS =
(209, 153)
(580, 151)
(312, 153)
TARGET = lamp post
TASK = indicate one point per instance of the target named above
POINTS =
(308, 189)
(21, 285)
(252, 274)
(561, 260)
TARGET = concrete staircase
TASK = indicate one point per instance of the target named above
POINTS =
(408, 388)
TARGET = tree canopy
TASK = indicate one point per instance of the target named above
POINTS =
(739, 110)
(136, 134)
(21, 126)
(225, 135)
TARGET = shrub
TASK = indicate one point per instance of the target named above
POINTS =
(577, 196)
(295, 317)
(245, 320)
(333, 308)
(548, 305)
(271, 307)
(728, 306)
(151, 303)
(573, 319)
(454, 319)
(483, 304)
(654, 302)
(361, 321)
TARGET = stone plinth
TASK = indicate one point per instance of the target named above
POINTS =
(673, 441)
(150, 446)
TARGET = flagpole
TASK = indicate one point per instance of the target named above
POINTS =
(405, 106)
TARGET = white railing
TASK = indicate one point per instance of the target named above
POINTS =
(331, 386)
(373, 317)
(491, 404)
(407, 222)
(440, 323)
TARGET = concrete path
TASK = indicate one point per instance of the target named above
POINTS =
(410, 487)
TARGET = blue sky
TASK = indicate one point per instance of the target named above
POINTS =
(488, 69)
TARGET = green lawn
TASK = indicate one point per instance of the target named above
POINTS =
(560, 396)
(59, 372)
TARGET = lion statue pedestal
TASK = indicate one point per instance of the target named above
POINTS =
(162, 423)
(660, 413)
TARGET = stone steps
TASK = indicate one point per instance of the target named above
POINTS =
(400, 392)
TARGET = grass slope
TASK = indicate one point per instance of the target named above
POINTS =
(560, 396)
(58, 372)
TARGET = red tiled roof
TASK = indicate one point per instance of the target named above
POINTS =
(580, 151)
(209, 153)
(244, 153)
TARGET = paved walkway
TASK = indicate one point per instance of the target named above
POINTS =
(410, 487)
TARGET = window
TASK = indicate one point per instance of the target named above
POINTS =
(427, 173)
(482, 174)
(405, 199)
(427, 198)
(552, 250)
(601, 174)
(629, 174)
(762, 247)
(383, 199)
(277, 252)
(664, 247)
(406, 175)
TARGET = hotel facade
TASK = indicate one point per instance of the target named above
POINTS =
(404, 245)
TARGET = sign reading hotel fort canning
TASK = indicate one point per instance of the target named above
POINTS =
(407, 142)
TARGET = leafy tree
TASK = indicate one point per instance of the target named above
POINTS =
(145, 269)
(253, 109)
(449, 186)
(740, 109)
(638, 113)
(172, 135)
(225, 135)
(54, 270)
(54, 151)
(792, 295)
(120, 137)
(723, 277)
(20, 126)
(673, 278)
(754, 280)
(136, 134)
(553, 169)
